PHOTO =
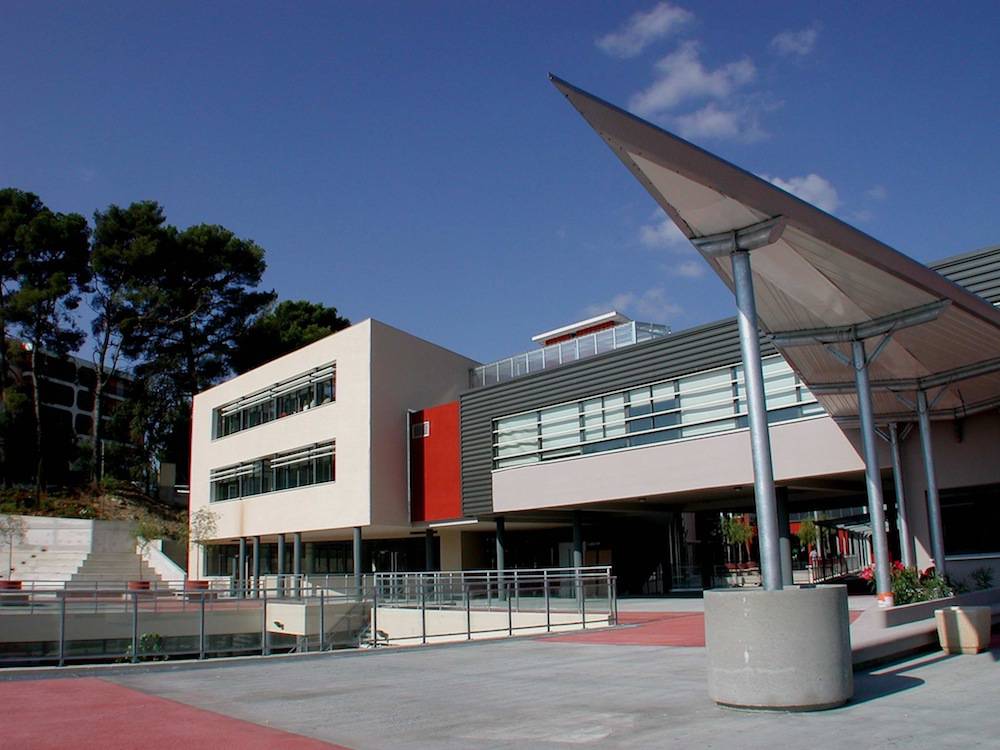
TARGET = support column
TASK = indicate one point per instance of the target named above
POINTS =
(256, 566)
(297, 554)
(577, 540)
(933, 501)
(241, 569)
(760, 442)
(501, 554)
(358, 573)
(784, 535)
(873, 476)
(281, 565)
(429, 549)
(297, 562)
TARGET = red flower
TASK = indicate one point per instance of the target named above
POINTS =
(868, 573)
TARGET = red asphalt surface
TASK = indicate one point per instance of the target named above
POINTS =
(91, 714)
(650, 629)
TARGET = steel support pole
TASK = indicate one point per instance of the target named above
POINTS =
(322, 620)
(281, 565)
(135, 627)
(201, 626)
(62, 626)
(873, 476)
(577, 540)
(263, 623)
(933, 501)
(760, 442)
(297, 562)
(501, 555)
(906, 549)
(255, 555)
(358, 573)
(784, 535)
(241, 569)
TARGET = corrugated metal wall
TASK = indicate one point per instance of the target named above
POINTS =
(978, 271)
(702, 348)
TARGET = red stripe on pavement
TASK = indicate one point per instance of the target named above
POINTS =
(92, 714)
(683, 629)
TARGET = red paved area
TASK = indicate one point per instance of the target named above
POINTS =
(89, 713)
(650, 629)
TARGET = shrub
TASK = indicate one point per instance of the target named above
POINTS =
(909, 585)
(982, 578)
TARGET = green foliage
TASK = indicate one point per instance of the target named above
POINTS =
(735, 530)
(982, 578)
(909, 585)
(150, 649)
(283, 328)
(808, 533)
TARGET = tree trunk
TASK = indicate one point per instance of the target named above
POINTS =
(96, 449)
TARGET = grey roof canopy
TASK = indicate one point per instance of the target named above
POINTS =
(819, 282)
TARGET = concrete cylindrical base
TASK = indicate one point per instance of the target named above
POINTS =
(782, 650)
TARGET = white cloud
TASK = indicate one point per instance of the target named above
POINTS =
(663, 233)
(644, 28)
(689, 269)
(682, 76)
(799, 43)
(812, 188)
(651, 306)
(714, 122)
(877, 193)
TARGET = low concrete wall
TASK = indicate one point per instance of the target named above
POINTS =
(403, 625)
(77, 534)
(883, 634)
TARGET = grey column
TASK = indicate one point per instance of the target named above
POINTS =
(784, 535)
(760, 442)
(873, 476)
(906, 550)
(501, 555)
(358, 573)
(256, 566)
(297, 561)
(577, 540)
(933, 501)
(241, 569)
(281, 564)
(297, 554)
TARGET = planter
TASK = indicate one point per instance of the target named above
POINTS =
(190, 585)
(10, 585)
(138, 585)
(787, 650)
(964, 630)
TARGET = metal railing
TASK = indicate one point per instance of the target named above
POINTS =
(42, 624)
(557, 355)
(527, 600)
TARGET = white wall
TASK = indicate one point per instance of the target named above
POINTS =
(407, 373)
(339, 504)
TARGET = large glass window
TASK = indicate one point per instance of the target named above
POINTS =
(301, 467)
(697, 404)
(313, 388)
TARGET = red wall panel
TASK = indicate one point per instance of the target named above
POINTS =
(435, 476)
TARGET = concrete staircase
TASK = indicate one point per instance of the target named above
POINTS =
(78, 553)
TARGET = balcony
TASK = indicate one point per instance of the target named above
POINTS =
(564, 353)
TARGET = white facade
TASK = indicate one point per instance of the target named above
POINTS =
(381, 372)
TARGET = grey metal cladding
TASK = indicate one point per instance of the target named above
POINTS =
(713, 345)
(978, 271)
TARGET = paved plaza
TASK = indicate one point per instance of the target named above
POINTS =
(548, 692)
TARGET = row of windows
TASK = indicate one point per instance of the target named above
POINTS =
(313, 388)
(699, 404)
(301, 467)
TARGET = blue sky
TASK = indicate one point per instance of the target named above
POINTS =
(411, 162)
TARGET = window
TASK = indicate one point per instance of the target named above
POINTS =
(313, 388)
(969, 516)
(420, 430)
(301, 467)
(697, 404)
